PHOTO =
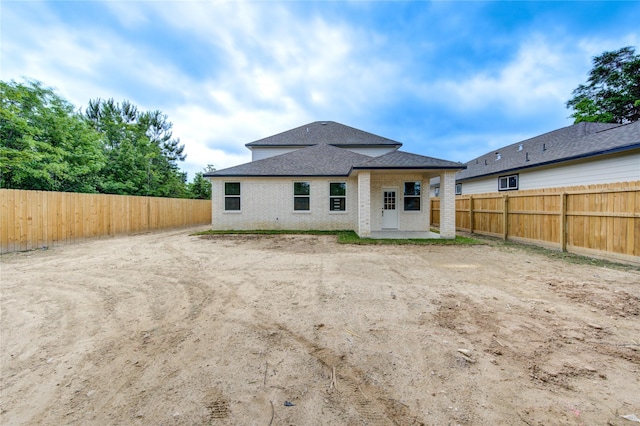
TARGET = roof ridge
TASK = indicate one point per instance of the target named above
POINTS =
(324, 132)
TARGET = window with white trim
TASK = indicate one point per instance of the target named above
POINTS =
(412, 196)
(458, 189)
(301, 192)
(337, 196)
(508, 183)
(232, 196)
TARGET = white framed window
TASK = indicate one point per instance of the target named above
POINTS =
(458, 189)
(412, 196)
(338, 196)
(301, 196)
(232, 196)
(508, 183)
(436, 191)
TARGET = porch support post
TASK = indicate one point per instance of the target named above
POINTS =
(448, 204)
(364, 204)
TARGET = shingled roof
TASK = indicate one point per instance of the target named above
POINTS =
(324, 132)
(406, 160)
(318, 160)
(574, 142)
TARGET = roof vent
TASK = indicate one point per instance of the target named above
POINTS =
(485, 161)
(324, 123)
(520, 147)
(527, 157)
(498, 156)
(544, 146)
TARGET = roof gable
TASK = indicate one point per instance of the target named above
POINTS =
(568, 143)
(318, 160)
(406, 160)
(324, 132)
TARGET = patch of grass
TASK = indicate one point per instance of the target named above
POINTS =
(560, 255)
(350, 237)
(268, 232)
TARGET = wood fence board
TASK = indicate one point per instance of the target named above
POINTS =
(6, 211)
(595, 218)
(36, 219)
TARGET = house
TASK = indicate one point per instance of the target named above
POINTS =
(581, 154)
(328, 176)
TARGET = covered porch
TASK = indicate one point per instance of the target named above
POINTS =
(393, 201)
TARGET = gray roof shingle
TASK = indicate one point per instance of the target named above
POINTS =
(318, 160)
(324, 132)
(568, 143)
(406, 160)
(328, 160)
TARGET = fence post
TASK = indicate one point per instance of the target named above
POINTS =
(471, 214)
(505, 217)
(563, 221)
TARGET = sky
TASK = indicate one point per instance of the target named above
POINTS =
(448, 79)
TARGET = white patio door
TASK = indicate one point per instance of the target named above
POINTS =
(389, 208)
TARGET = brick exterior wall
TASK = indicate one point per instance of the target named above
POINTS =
(267, 203)
(448, 204)
(407, 220)
(364, 203)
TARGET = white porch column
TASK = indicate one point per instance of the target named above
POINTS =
(448, 204)
(364, 204)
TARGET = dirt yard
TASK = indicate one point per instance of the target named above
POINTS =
(168, 328)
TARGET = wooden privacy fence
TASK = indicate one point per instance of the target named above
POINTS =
(596, 220)
(35, 219)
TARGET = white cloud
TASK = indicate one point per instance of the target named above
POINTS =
(541, 73)
(275, 66)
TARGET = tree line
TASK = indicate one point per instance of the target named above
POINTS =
(114, 148)
(111, 148)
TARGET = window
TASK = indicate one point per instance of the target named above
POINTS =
(337, 197)
(508, 183)
(458, 189)
(301, 191)
(232, 196)
(412, 196)
(436, 191)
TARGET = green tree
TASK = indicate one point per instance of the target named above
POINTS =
(44, 143)
(612, 91)
(142, 153)
(201, 187)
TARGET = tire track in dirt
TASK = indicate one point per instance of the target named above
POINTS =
(352, 389)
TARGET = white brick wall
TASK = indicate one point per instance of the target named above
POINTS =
(364, 203)
(267, 203)
(448, 204)
(407, 220)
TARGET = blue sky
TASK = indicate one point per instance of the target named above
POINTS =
(448, 79)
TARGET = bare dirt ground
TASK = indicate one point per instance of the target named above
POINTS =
(168, 328)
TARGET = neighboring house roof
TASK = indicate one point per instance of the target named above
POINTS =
(324, 132)
(574, 142)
